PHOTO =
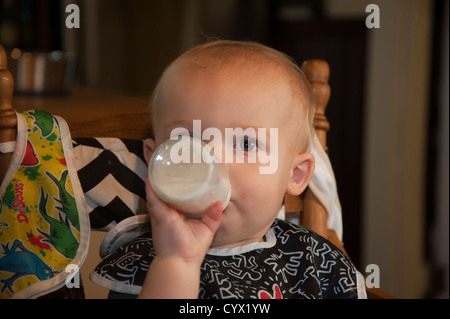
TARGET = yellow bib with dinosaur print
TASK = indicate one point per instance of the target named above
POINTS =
(44, 226)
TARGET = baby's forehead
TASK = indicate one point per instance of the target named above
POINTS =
(183, 76)
(179, 76)
(268, 74)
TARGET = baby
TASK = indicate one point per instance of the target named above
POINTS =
(244, 251)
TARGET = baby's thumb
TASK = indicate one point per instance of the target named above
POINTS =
(155, 206)
(213, 216)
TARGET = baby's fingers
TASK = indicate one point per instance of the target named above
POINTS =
(155, 206)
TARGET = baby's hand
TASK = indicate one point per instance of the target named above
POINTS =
(174, 235)
(181, 245)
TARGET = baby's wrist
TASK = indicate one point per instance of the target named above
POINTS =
(172, 277)
(178, 261)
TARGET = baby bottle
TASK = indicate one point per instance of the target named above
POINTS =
(187, 175)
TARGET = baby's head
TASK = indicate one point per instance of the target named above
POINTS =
(227, 85)
(218, 56)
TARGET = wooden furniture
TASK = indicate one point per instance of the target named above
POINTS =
(314, 215)
(134, 122)
(95, 112)
(8, 119)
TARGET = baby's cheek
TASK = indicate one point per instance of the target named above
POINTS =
(259, 191)
(248, 185)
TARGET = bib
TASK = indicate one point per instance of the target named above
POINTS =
(44, 226)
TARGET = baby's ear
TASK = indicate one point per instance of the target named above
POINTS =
(149, 148)
(302, 170)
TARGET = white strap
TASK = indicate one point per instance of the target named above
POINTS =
(7, 147)
(323, 186)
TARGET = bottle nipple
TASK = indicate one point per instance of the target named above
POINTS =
(187, 175)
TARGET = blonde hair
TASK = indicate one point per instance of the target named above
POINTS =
(223, 53)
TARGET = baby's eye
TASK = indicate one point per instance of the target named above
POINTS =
(246, 144)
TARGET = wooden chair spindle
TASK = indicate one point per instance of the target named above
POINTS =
(8, 119)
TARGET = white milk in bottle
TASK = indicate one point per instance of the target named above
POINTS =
(186, 175)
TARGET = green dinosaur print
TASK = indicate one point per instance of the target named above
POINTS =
(67, 202)
(60, 234)
(44, 121)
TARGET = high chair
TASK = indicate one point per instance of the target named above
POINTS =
(137, 126)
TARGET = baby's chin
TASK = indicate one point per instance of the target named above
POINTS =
(233, 233)
(225, 236)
